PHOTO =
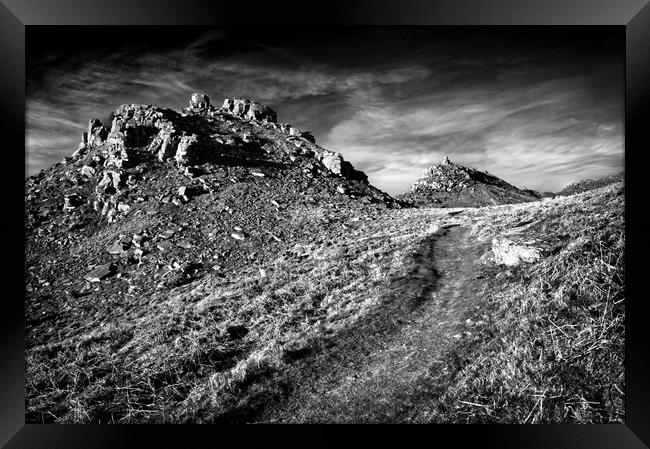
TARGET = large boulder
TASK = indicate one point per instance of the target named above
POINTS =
(515, 250)
(335, 163)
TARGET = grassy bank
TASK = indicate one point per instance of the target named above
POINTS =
(553, 347)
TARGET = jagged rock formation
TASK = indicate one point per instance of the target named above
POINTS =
(115, 158)
(451, 185)
(249, 109)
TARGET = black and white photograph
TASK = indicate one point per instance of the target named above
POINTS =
(361, 224)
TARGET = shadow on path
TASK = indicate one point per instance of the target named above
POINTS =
(371, 371)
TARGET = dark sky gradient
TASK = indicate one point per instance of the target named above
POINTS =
(538, 106)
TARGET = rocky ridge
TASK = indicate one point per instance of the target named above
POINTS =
(452, 185)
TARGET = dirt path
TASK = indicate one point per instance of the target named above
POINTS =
(376, 371)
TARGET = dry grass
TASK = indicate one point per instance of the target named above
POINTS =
(194, 353)
(549, 346)
(553, 349)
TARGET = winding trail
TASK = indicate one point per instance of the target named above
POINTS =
(374, 372)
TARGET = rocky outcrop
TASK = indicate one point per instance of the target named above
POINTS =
(112, 158)
(93, 138)
(248, 109)
(335, 163)
(96, 134)
(452, 185)
(295, 133)
(199, 102)
(187, 150)
(200, 187)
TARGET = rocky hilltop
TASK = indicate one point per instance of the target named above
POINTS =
(154, 198)
(115, 158)
(452, 185)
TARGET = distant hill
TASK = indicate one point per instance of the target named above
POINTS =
(453, 185)
(590, 184)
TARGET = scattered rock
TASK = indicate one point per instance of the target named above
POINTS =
(165, 246)
(88, 171)
(71, 202)
(122, 207)
(101, 272)
(138, 239)
(117, 248)
(183, 192)
(168, 233)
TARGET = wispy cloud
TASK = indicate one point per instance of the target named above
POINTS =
(549, 127)
(392, 101)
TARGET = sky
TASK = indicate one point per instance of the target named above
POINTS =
(540, 107)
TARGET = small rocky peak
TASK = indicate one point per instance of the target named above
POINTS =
(199, 101)
(449, 184)
(245, 108)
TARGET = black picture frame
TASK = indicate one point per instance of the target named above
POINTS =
(16, 15)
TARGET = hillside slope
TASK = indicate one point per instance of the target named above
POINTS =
(164, 198)
(241, 273)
